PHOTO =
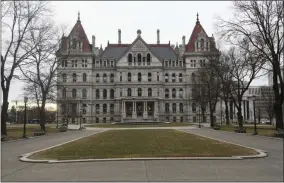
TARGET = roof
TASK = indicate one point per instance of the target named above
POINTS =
(190, 47)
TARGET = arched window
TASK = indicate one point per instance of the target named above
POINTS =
(74, 93)
(167, 107)
(181, 107)
(174, 93)
(84, 93)
(173, 77)
(150, 92)
(74, 77)
(84, 77)
(166, 93)
(105, 78)
(180, 93)
(129, 92)
(193, 107)
(129, 76)
(64, 77)
(202, 44)
(111, 108)
(139, 58)
(97, 78)
(111, 78)
(166, 77)
(180, 77)
(139, 77)
(149, 76)
(64, 93)
(129, 59)
(193, 77)
(112, 93)
(139, 92)
(148, 59)
(104, 93)
(104, 108)
(98, 108)
(174, 106)
(97, 93)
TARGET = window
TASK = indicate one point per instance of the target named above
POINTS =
(101, 64)
(166, 77)
(74, 63)
(111, 78)
(174, 108)
(149, 76)
(180, 63)
(121, 92)
(139, 58)
(111, 119)
(180, 93)
(158, 77)
(174, 63)
(129, 77)
(105, 64)
(174, 119)
(129, 59)
(104, 120)
(97, 93)
(121, 77)
(193, 107)
(180, 77)
(150, 92)
(166, 64)
(174, 93)
(166, 93)
(193, 77)
(139, 92)
(105, 78)
(84, 93)
(74, 93)
(148, 59)
(64, 93)
(202, 44)
(84, 111)
(173, 77)
(170, 63)
(84, 63)
(84, 77)
(181, 119)
(144, 60)
(64, 77)
(139, 77)
(98, 108)
(111, 64)
(104, 109)
(112, 93)
(104, 94)
(97, 78)
(111, 108)
(97, 120)
(158, 92)
(74, 108)
(129, 92)
(181, 107)
(64, 63)
(167, 107)
(74, 77)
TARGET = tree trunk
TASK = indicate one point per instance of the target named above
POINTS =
(211, 118)
(278, 115)
(42, 115)
(227, 112)
(240, 117)
(4, 112)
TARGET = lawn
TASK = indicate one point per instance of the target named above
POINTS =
(142, 143)
(125, 125)
(16, 131)
(262, 130)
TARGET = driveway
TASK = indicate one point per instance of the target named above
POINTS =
(264, 169)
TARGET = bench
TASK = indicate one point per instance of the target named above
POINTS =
(39, 132)
(241, 130)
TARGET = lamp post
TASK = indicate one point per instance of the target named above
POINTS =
(25, 120)
(254, 117)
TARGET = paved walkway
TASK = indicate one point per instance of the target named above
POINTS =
(265, 169)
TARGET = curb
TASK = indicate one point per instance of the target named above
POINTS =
(24, 157)
(261, 154)
(247, 134)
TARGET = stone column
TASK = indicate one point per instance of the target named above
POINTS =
(134, 115)
(145, 111)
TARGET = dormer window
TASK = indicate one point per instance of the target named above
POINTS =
(148, 59)
(129, 59)
(139, 58)
(202, 44)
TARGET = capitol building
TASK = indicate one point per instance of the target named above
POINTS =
(130, 82)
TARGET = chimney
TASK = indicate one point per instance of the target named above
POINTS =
(158, 36)
(119, 36)
(94, 41)
(183, 41)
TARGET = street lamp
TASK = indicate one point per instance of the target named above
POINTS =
(25, 120)
(254, 117)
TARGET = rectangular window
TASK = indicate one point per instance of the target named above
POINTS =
(111, 64)
(120, 77)
(98, 108)
(158, 77)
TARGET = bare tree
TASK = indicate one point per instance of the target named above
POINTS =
(17, 21)
(261, 23)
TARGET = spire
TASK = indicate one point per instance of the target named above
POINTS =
(78, 17)
(197, 18)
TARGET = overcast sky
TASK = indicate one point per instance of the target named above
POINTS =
(103, 19)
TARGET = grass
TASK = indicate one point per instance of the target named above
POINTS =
(16, 131)
(108, 125)
(262, 130)
(142, 143)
